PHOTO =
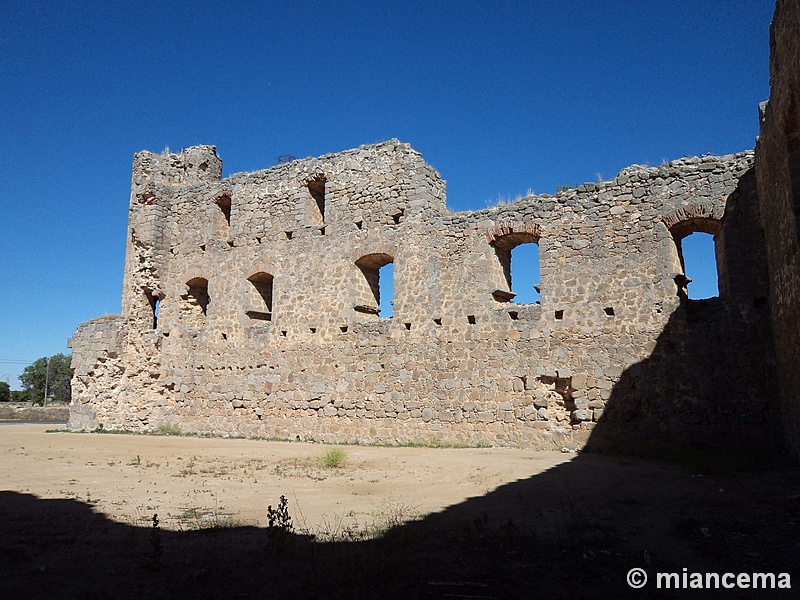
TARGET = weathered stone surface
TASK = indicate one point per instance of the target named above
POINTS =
(778, 174)
(249, 306)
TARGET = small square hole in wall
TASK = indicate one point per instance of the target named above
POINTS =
(224, 336)
(283, 333)
(559, 315)
(230, 243)
(289, 234)
(203, 247)
(359, 224)
(437, 321)
(397, 216)
(408, 326)
(258, 240)
(343, 328)
(471, 319)
(609, 311)
(322, 231)
(513, 314)
(313, 329)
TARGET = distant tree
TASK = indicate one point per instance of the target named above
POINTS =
(50, 372)
(5, 392)
(18, 396)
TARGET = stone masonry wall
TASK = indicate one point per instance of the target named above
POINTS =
(250, 307)
(778, 162)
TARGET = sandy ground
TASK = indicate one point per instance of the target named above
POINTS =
(182, 479)
(76, 520)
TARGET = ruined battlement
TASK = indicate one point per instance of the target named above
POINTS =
(190, 165)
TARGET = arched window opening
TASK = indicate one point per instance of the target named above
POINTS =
(194, 305)
(696, 260)
(518, 258)
(260, 297)
(524, 276)
(224, 203)
(697, 253)
(154, 302)
(376, 294)
(316, 188)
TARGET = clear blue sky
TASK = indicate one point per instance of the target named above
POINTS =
(501, 97)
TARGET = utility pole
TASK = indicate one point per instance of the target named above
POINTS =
(46, 380)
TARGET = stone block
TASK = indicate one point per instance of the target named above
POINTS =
(507, 416)
(581, 415)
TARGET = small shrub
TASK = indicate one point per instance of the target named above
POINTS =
(280, 526)
(168, 429)
(335, 458)
(279, 518)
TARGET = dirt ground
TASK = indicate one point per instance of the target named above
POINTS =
(76, 520)
(131, 477)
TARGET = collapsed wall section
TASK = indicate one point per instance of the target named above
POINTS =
(98, 369)
(252, 306)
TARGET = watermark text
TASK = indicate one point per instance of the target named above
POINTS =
(684, 580)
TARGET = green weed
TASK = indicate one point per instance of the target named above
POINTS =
(168, 429)
(335, 458)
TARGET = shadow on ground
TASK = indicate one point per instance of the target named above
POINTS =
(571, 532)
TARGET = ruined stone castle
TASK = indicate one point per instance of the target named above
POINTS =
(251, 304)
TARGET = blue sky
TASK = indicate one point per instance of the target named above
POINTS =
(501, 97)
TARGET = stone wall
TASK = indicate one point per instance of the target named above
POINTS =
(97, 363)
(778, 169)
(25, 411)
(251, 307)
